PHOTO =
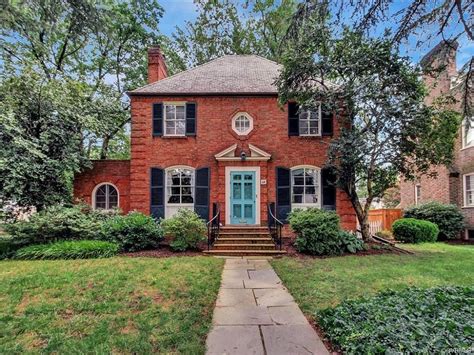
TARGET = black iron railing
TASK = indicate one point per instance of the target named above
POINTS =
(274, 225)
(213, 225)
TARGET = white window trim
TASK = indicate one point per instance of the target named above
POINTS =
(228, 170)
(95, 190)
(464, 191)
(463, 136)
(319, 134)
(177, 103)
(320, 196)
(166, 195)
(234, 120)
(417, 198)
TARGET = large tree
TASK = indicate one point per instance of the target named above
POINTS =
(229, 27)
(102, 45)
(40, 139)
(386, 129)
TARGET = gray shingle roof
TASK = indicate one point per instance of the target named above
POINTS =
(230, 74)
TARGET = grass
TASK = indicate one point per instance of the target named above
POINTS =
(117, 305)
(317, 284)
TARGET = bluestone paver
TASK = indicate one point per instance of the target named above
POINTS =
(255, 314)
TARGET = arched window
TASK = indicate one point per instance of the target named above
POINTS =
(105, 197)
(305, 187)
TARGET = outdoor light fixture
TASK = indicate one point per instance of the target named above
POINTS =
(243, 156)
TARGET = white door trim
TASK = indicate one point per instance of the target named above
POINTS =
(228, 170)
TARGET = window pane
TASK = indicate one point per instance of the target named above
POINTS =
(180, 127)
(187, 199)
(180, 112)
(248, 191)
(186, 191)
(310, 190)
(298, 190)
(469, 135)
(173, 199)
(237, 191)
(297, 198)
(170, 112)
(237, 211)
(248, 213)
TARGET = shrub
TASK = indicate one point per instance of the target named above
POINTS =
(57, 223)
(412, 321)
(81, 249)
(448, 218)
(385, 234)
(318, 233)
(8, 246)
(350, 243)
(186, 228)
(411, 230)
(132, 232)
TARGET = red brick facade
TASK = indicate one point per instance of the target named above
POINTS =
(115, 172)
(214, 134)
(447, 187)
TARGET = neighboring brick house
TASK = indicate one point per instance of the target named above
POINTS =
(454, 184)
(217, 134)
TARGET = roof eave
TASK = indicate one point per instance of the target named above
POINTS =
(133, 93)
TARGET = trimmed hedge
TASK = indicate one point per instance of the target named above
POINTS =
(448, 218)
(186, 228)
(412, 321)
(411, 230)
(319, 233)
(83, 249)
(132, 232)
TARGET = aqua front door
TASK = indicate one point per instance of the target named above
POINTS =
(242, 197)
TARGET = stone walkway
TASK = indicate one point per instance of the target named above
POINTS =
(255, 314)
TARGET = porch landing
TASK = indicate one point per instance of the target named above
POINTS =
(255, 314)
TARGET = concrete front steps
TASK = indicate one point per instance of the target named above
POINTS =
(244, 241)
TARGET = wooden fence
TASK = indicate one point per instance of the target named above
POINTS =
(382, 219)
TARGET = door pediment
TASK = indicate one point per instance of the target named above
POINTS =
(256, 154)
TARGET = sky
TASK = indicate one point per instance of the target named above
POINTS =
(177, 12)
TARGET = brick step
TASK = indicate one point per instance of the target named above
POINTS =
(245, 252)
(244, 240)
(248, 246)
(244, 234)
(248, 229)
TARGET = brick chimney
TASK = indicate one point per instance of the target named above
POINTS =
(156, 64)
(441, 65)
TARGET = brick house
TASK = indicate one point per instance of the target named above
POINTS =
(453, 184)
(217, 134)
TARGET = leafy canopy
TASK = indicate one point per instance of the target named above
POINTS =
(386, 129)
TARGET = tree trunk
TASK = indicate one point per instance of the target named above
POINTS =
(363, 218)
(105, 148)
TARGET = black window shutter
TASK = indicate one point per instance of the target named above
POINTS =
(158, 119)
(157, 187)
(327, 121)
(191, 119)
(201, 193)
(293, 119)
(283, 193)
(328, 182)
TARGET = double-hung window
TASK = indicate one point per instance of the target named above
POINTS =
(310, 122)
(175, 120)
(305, 185)
(469, 190)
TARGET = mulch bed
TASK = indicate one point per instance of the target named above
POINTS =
(460, 241)
(374, 249)
(164, 251)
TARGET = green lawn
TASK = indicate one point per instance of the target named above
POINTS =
(117, 305)
(320, 283)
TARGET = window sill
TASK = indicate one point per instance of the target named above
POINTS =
(467, 207)
(175, 137)
(467, 148)
(308, 136)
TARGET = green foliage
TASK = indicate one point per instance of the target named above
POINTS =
(430, 321)
(132, 232)
(40, 139)
(386, 234)
(57, 223)
(82, 249)
(227, 27)
(448, 218)
(186, 228)
(318, 233)
(8, 246)
(387, 129)
(411, 230)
